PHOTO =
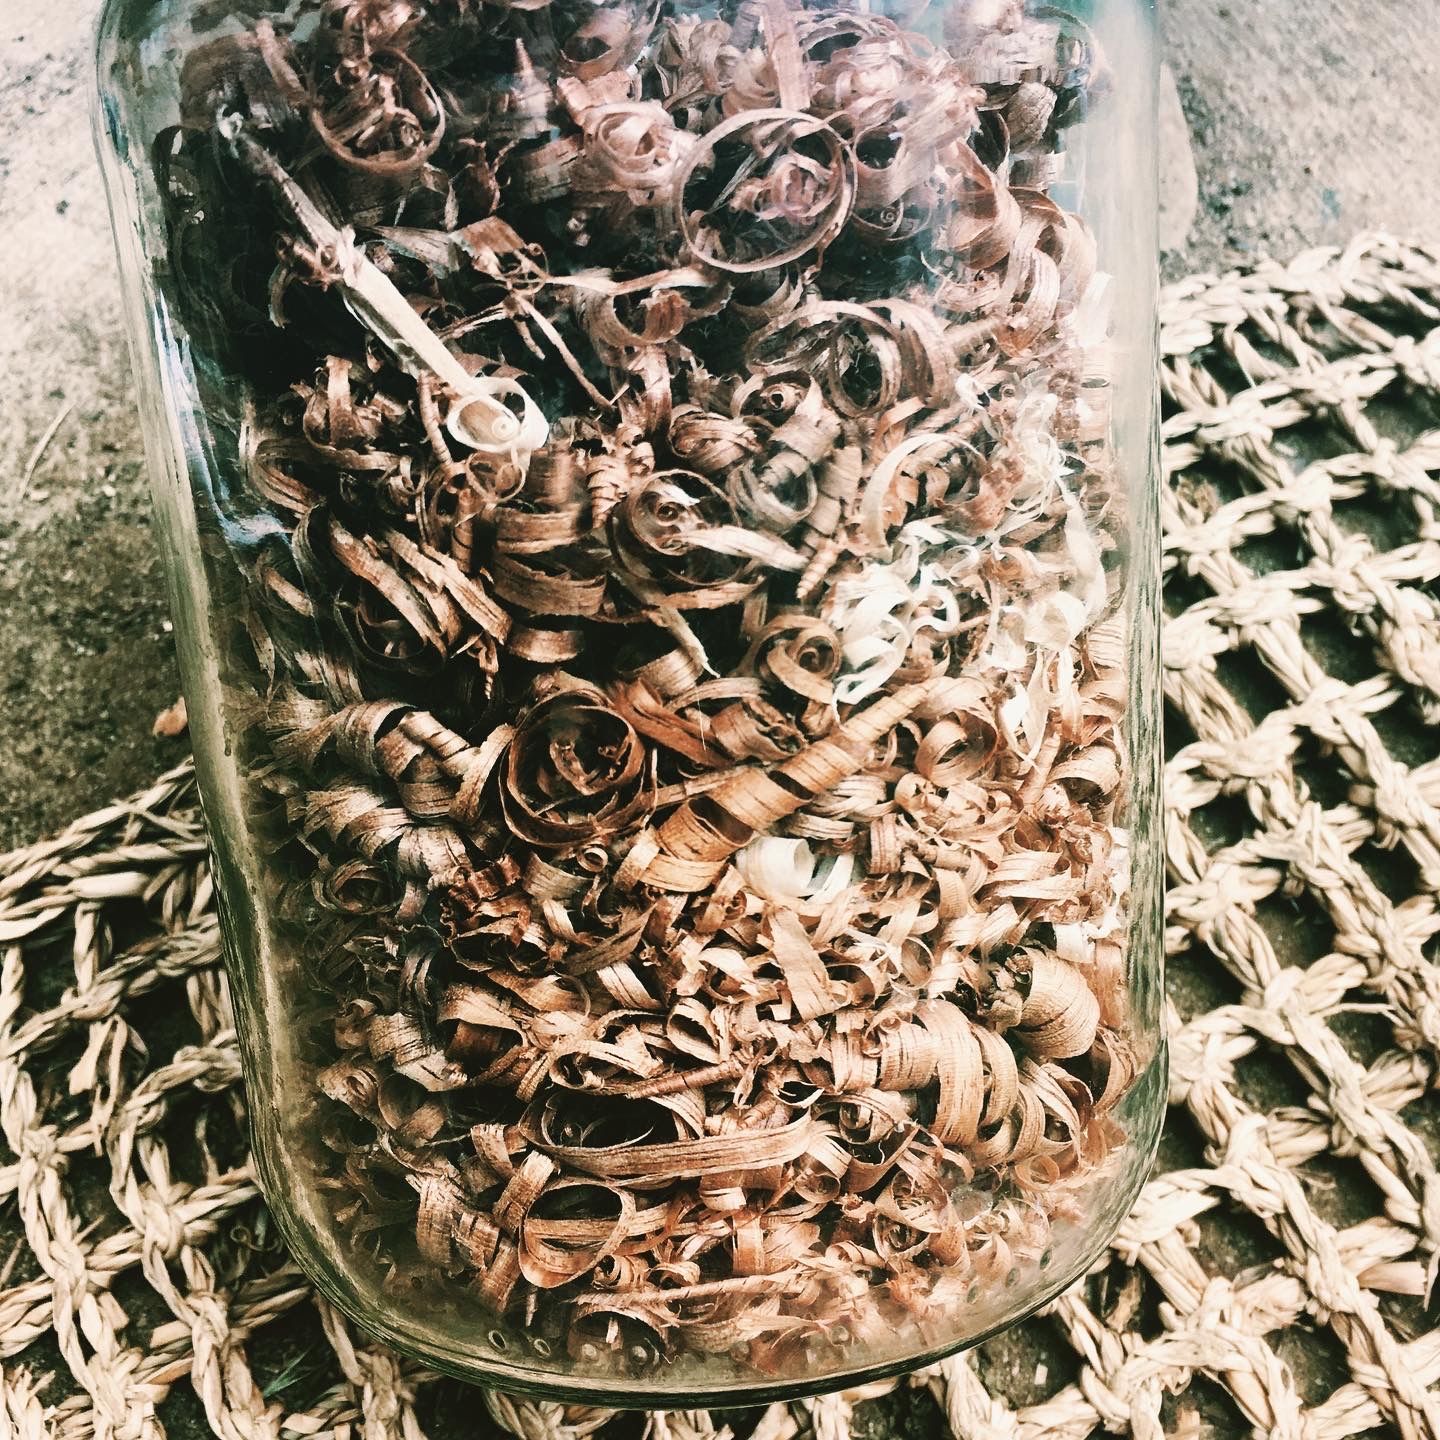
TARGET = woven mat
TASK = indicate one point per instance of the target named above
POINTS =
(1274, 1273)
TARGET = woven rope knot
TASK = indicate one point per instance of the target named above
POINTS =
(37, 1148)
(1399, 805)
(831, 1416)
(138, 1424)
(1192, 641)
(541, 1420)
(1309, 496)
(1243, 418)
(1247, 1146)
(1284, 989)
(1422, 1030)
(164, 1225)
(1418, 361)
(1127, 1395)
(1333, 1287)
(1202, 1057)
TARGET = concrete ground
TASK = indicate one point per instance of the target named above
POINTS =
(1308, 123)
(1304, 131)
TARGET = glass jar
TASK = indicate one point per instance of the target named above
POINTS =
(660, 511)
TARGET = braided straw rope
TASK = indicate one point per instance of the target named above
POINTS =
(1295, 1215)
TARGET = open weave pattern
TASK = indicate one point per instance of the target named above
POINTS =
(1297, 1194)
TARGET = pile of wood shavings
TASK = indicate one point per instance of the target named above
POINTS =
(707, 828)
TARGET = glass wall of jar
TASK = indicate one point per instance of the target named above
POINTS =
(659, 503)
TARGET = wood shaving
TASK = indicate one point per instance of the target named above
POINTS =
(703, 821)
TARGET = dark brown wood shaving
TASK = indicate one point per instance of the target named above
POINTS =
(695, 779)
